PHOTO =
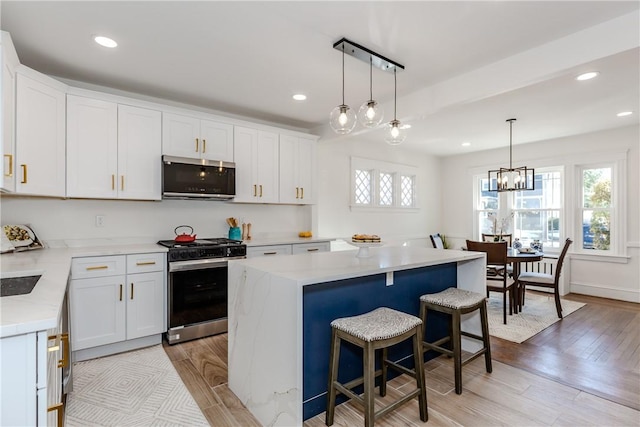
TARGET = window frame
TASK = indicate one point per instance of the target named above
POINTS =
(397, 172)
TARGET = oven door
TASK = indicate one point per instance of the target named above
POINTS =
(197, 292)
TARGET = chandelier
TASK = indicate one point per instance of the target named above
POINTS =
(343, 119)
(511, 179)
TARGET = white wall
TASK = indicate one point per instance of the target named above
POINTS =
(55, 219)
(334, 216)
(617, 278)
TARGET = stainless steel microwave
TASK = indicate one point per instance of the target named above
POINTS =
(184, 178)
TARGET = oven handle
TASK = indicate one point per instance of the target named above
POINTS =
(200, 264)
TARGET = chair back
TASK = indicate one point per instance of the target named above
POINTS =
(496, 251)
(491, 238)
(436, 241)
(565, 249)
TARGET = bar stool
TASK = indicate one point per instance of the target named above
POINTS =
(455, 302)
(377, 329)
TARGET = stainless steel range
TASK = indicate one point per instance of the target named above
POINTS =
(197, 286)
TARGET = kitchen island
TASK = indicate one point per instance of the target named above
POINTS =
(280, 309)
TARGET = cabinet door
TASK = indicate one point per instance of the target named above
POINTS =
(289, 186)
(245, 155)
(40, 138)
(180, 135)
(267, 167)
(217, 140)
(139, 153)
(306, 162)
(18, 382)
(145, 304)
(97, 311)
(92, 148)
(8, 90)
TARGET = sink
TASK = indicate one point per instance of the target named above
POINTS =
(22, 285)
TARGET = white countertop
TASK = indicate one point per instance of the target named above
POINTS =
(306, 269)
(286, 240)
(40, 309)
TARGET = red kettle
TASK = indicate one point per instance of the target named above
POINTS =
(184, 238)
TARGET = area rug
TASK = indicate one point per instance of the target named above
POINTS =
(137, 388)
(538, 314)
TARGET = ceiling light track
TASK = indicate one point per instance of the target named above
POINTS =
(367, 55)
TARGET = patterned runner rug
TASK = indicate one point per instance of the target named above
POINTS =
(137, 388)
(539, 312)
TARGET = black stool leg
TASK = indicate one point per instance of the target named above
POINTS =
(334, 360)
(457, 351)
(484, 320)
(418, 359)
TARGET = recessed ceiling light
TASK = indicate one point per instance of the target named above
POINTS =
(624, 113)
(587, 76)
(466, 144)
(105, 41)
(299, 97)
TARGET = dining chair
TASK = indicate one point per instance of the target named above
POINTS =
(436, 241)
(496, 256)
(492, 238)
(544, 280)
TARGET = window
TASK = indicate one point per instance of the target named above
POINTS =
(378, 184)
(527, 215)
(596, 208)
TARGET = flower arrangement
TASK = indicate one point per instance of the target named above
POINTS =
(502, 225)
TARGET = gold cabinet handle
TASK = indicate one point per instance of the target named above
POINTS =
(204, 146)
(64, 338)
(10, 157)
(255, 190)
(121, 182)
(313, 250)
(24, 174)
(146, 263)
(120, 292)
(113, 182)
(269, 253)
(131, 290)
(297, 192)
(260, 190)
(302, 192)
(97, 267)
(60, 408)
(197, 144)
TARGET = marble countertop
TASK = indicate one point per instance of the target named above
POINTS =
(306, 269)
(284, 240)
(40, 309)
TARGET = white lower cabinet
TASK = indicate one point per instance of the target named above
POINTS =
(31, 380)
(117, 298)
(295, 248)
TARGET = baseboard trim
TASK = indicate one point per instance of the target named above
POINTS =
(605, 292)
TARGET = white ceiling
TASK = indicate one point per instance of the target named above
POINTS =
(469, 65)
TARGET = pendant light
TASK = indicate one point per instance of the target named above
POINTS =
(511, 179)
(370, 113)
(342, 118)
(395, 133)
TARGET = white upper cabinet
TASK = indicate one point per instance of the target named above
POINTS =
(9, 63)
(256, 158)
(191, 137)
(297, 169)
(113, 151)
(40, 135)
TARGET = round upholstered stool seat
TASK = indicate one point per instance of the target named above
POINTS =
(380, 324)
(454, 298)
(456, 302)
(376, 330)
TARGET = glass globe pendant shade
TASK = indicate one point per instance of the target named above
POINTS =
(395, 134)
(370, 114)
(342, 119)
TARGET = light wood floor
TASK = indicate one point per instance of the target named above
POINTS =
(584, 370)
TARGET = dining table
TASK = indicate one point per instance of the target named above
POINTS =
(515, 257)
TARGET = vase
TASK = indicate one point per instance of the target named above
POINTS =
(234, 233)
(537, 245)
(517, 244)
